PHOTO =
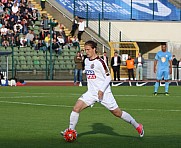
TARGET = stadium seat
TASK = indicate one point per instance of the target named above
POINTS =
(38, 23)
(69, 66)
(2, 48)
(8, 49)
(16, 49)
(66, 57)
(56, 66)
(72, 57)
(73, 53)
(36, 31)
(36, 28)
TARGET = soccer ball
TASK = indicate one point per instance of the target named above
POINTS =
(70, 135)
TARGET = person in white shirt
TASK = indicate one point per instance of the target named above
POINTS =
(1, 8)
(23, 41)
(99, 90)
(18, 27)
(81, 29)
(179, 68)
(139, 61)
(4, 30)
(61, 41)
(29, 37)
(14, 8)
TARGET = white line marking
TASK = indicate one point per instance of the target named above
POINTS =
(77, 94)
(34, 104)
(67, 106)
(23, 97)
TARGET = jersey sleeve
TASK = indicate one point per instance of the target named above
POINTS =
(107, 78)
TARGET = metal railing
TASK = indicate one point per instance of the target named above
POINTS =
(87, 32)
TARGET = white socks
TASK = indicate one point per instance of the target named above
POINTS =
(74, 116)
(128, 118)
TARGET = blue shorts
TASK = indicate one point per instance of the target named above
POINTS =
(162, 74)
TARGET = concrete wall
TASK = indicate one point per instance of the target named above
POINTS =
(144, 31)
(151, 31)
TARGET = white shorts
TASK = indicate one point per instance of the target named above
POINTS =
(108, 100)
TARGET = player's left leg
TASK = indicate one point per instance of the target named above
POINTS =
(157, 83)
(110, 103)
(128, 118)
(166, 78)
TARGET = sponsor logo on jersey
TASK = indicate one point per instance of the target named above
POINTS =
(90, 74)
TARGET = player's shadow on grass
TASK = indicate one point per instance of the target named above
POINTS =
(100, 128)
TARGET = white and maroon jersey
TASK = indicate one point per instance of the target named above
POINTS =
(97, 71)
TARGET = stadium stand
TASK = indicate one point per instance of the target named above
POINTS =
(25, 28)
(177, 3)
(22, 30)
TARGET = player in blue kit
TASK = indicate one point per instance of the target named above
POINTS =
(163, 67)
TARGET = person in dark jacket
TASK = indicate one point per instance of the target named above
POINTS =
(105, 58)
(174, 67)
(115, 64)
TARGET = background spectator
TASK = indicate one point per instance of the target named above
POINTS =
(81, 29)
(130, 67)
(174, 68)
(78, 67)
(179, 67)
(139, 61)
(74, 25)
(105, 58)
(115, 64)
(43, 4)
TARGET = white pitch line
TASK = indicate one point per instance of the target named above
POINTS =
(77, 94)
(34, 104)
(23, 97)
(67, 106)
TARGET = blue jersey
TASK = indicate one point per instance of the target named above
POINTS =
(163, 59)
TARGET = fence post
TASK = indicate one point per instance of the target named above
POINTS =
(120, 36)
(131, 9)
(99, 27)
(46, 62)
(153, 9)
(102, 9)
(74, 10)
(180, 12)
(87, 15)
(12, 61)
(109, 31)
(51, 67)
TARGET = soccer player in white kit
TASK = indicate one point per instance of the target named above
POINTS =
(98, 82)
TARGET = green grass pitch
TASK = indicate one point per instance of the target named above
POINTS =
(32, 117)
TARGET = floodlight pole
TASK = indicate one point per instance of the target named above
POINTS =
(51, 67)
(12, 62)
(102, 9)
(109, 31)
(74, 9)
(52, 24)
(131, 9)
(153, 9)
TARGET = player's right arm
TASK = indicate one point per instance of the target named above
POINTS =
(155, 63)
